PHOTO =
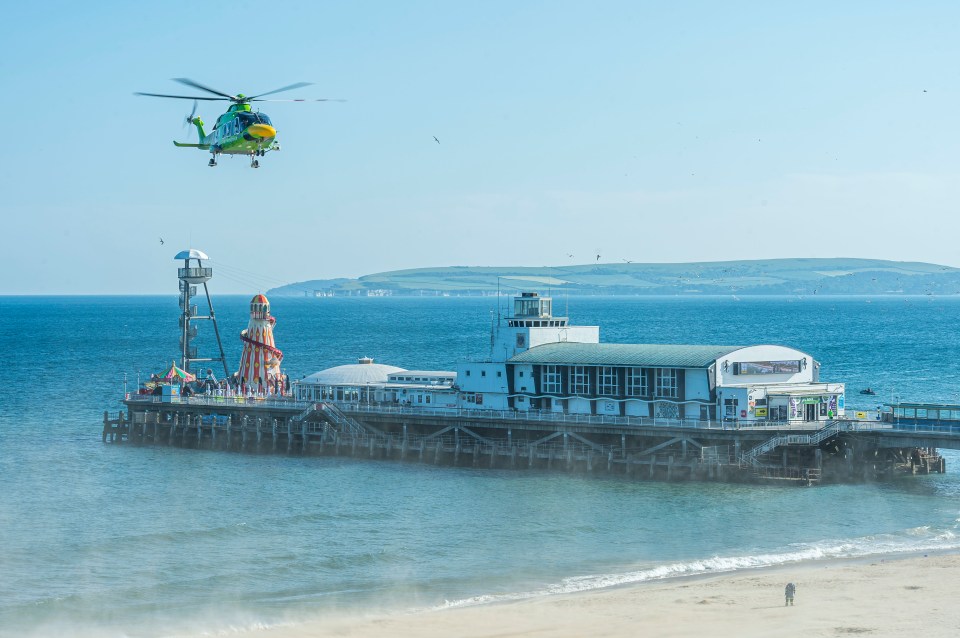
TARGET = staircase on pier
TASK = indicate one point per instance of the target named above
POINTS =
(333, 418)
(751, 458)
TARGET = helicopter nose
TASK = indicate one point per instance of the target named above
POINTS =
(262, 131)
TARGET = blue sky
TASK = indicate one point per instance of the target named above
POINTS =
(657, 132)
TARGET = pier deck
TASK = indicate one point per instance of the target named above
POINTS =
(642, 447)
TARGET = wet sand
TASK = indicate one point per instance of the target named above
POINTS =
(874, 597)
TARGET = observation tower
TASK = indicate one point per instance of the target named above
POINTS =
(190, 276)
(260, 361)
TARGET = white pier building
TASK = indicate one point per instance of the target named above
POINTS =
(539, 362)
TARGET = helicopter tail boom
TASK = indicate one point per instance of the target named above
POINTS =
(196, 121)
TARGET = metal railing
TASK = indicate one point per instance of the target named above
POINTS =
(816, 427)
(335, 415)
(194, 273)
(547, 416)
(831, 429)
(211, 400)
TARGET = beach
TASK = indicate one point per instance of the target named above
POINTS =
(872, 597)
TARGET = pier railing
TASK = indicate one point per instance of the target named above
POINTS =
(546, 417)
(211, 400)
(569, 418)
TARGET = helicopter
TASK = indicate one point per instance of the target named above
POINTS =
(239, 131)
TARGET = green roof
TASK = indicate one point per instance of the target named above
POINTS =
(624, 354)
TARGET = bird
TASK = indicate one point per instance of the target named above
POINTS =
(628, 261)
(161, 241)
(598, 257)
(569, 255)
(435, 139)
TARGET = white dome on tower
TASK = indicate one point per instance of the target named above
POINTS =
(193, 253)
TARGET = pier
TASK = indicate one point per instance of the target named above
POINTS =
(840, 450)
(550, 395)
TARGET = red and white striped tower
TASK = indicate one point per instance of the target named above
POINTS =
(260, 361)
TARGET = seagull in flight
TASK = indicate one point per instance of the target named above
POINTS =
(598, 257)
(161, 241)
(435, 139)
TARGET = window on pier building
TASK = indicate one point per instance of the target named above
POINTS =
(729, 408)
(579, 380)
(637, 385)
(551, 380)
(607, 381)
(667, 386)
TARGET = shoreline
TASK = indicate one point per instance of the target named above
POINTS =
(881, 595)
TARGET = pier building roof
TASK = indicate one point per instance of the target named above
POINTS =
(352, 374)
(795, 389)
(423, 376)
(624, 354)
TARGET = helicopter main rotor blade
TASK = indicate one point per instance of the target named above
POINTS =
(323, 99)
(179, 97)
(197, 85)
(286, 88)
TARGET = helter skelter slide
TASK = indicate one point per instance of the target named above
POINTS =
(260, 362)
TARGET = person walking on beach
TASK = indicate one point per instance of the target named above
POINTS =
(788, 594)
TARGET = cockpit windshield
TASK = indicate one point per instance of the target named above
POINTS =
(249, 118)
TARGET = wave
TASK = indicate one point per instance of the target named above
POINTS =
(910, 541)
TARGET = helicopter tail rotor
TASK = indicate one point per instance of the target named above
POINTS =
(189, 118)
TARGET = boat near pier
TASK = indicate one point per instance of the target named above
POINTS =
(549, 396)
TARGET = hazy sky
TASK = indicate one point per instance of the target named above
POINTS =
(645, 131)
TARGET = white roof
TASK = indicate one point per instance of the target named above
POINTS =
(193, 253)
(796, 389)
(352, 374)
(427, 373)
(418, 386)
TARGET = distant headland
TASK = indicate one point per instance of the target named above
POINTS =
(833, 276)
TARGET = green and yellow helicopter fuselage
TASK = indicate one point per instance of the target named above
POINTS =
(239, 131)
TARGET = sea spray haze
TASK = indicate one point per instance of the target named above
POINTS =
(102, 539)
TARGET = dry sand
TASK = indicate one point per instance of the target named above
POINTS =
(914, 596)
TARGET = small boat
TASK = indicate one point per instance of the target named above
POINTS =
(868, 391)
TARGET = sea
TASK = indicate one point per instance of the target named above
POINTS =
(114, 540)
